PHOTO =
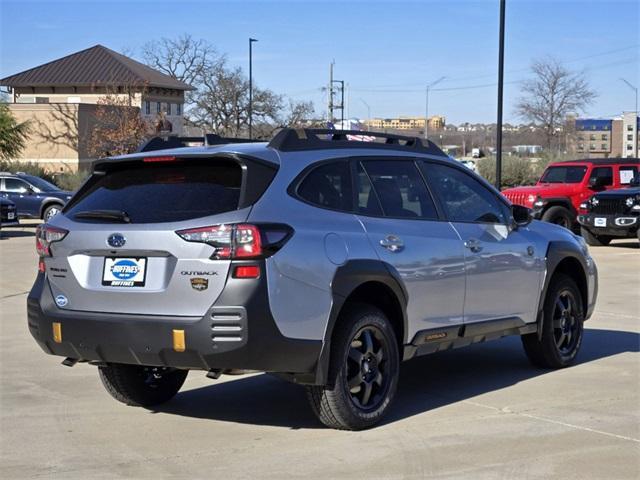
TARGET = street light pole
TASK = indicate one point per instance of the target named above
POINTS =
(251, 40)
(500, 96)
(368, 112)
(635, 127)
(426, 107)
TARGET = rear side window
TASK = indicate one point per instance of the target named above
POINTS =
(628, 175)
(328, 186)
(603, 172)
(150, 193)
(400, 189)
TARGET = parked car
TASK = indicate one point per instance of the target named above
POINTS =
(34, 196)
(305, 257)
(563, 186)
(8, 215)
(612, 214)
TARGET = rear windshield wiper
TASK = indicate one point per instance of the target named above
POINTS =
(117, 215)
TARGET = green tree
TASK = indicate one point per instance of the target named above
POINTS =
(13, 135)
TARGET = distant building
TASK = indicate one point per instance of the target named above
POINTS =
(616, 137)
(527, 149)
(59, 99)
(436, 122)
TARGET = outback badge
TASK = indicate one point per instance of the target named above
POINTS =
(199, 284)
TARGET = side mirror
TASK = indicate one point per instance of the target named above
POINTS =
(521, 215)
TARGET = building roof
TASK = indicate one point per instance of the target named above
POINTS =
(95, 66)
(593, 124)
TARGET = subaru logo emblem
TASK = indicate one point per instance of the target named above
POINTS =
(116, 240)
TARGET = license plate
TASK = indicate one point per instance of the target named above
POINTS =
(600, 222)
(11, 215)
(124, 272)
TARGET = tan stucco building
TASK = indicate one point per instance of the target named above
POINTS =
(60, 98)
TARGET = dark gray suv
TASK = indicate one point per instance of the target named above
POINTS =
(319, 256)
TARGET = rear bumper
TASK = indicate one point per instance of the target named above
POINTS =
(237, 332)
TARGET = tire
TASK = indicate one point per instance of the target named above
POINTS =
(141, 386)
(558, 215)
(562, 327)
(595, 240)
(364, 354)
(51, 211)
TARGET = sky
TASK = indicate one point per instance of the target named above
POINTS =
(385, 51)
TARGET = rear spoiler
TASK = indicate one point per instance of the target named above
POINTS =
(173, 141)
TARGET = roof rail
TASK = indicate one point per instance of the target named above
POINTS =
(173, 141)
(298, 139)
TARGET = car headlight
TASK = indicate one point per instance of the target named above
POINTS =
(531, 198)
(584, 205)
(68, 197)
(538, 203)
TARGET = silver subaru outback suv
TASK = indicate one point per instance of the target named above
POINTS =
(323, 256)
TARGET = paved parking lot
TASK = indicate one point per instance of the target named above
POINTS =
(480, 412)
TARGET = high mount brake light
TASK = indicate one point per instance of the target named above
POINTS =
(45, 236)
(159, 159)
(241, 240)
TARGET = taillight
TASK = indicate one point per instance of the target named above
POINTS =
(240, 240)
(159, 159)
(45, 236)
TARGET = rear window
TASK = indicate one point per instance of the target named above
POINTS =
(573, 174)
(151, 193)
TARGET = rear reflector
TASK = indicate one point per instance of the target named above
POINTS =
(158, 159)
(41, 266)
(246, 271)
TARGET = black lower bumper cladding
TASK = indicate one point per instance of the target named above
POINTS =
(238, 332)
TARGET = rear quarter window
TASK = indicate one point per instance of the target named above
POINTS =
(172, 192)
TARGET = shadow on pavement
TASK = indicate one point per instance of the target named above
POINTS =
(15, 232)
(630, 243)
(426, 383)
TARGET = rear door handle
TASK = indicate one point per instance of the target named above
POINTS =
(473, 245)
(392, 243)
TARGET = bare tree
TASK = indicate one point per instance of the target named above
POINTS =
(183, 58)
(222, 102)
(118, 129)
(551, 94)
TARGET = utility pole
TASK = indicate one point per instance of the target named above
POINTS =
(251, 40)
(426, 108)
(341, 106)
(500, 96)
(635, 120)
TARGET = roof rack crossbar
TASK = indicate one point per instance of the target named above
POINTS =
(290, 139)
(174, 141)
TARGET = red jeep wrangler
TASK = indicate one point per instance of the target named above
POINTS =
(563, 186)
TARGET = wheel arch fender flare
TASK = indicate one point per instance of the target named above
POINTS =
(562, 255)
(560, 202)
(347, 278)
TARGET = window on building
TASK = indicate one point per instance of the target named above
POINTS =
(581, 146)
(168, 108)
(580, 138)
(158, 107)
(178, 109)
(604, 136)
(603, 146)
(629, 147)
(592, 137)
(629, 128)
(592, 146)
(147, 107)
(630, 137)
